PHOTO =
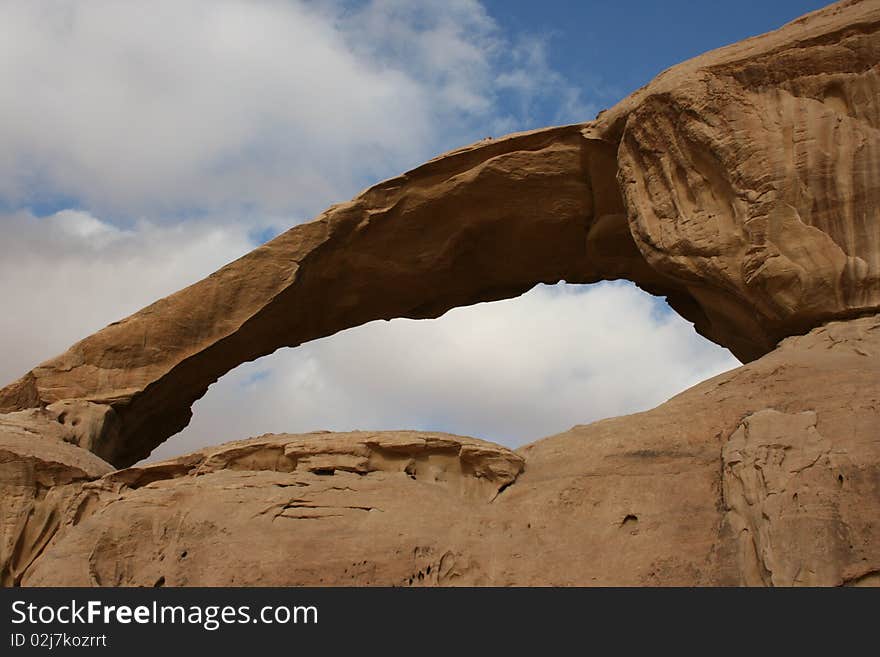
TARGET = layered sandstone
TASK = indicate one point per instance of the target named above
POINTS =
(743, 185)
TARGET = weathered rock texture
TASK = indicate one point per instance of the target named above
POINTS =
(41, 480)
(768, 474)
(744, 185)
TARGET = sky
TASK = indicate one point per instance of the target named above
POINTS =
(143, 145)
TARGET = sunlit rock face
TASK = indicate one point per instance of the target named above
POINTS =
(754, 179)
(743, 185)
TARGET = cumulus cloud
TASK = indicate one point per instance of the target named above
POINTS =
(146, 144)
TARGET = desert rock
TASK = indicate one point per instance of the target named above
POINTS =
(743, 185)
(41, 479)
(755, 477)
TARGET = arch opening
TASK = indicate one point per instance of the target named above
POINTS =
(508, 371)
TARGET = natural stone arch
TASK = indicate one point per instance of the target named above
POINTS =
(679, 188)
(483, 223)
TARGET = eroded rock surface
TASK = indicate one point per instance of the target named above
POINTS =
(744, 185)
(759, 476)
(41, 481)
(780, 487)
(187, 520)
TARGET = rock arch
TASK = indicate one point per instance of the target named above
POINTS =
(742, 185)
(484, 223)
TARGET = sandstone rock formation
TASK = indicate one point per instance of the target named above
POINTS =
(758, 476)
(744, 185)
(41, 480)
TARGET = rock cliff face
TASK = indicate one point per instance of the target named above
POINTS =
(744, 185)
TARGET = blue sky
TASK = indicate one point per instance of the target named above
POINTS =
(146, 144)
